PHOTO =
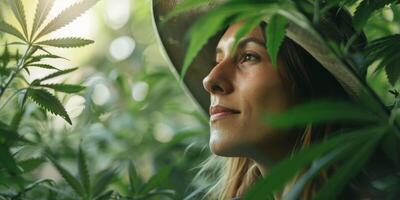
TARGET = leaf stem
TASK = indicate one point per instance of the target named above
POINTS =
(16, 71)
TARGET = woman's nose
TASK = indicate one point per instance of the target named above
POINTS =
(219, 80)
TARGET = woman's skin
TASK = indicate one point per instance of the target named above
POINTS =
(247, 85)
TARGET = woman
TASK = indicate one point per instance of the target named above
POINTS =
(243, 85)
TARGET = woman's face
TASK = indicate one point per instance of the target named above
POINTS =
(243, 86)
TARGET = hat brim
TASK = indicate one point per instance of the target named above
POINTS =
(172, 34)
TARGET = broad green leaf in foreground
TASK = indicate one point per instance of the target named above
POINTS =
(248, 25)
(70, 42)
(348, 170)
(275, 35)
(49, 102)
(321, 111)
(218, 18)
(285, 170)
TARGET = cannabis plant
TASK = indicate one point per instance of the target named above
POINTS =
(28, 49)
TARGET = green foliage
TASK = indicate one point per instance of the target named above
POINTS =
(49, 102)
(275, 35)
(13, 83)
(19, 12)
(8, 28)
(366, 9)
(66, 42)
(385, 50)
(66, 17)
(321, 111)
(42, 10)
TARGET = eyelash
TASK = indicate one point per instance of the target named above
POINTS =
(240, 59)
(248, 57)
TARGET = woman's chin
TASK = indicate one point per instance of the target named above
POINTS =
(226, 149)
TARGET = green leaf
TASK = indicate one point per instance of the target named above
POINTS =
(106, 196)
(18, 9)
(335, 185)
(275, 35)
(66, 16)
(38, 182)
(320, 111)
(285, 170)
(365, 9)
(8, 134)
(71, 180)
(315, 168)
(31, 164)
(8, 28)
(247, 27)
(42, 10)
(6, 56)
(17, 118)
(70, 42)
(386, 50)
(186, 6)
(208, 25)
(391, 147)
(156, 180)
(134, 179)
(83, 171)
(104, 178)
(44, 66)
(48, 102)
(8, 161)
(58, 73)
(35, 59)
(67, 88)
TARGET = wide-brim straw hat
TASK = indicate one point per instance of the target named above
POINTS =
(172, 35)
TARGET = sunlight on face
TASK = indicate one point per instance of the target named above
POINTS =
(242, 87)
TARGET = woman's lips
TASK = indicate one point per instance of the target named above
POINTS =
(218, 112)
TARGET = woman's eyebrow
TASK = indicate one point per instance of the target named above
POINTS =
(244, 42)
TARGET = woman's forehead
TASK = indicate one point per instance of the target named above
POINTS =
(228, 38)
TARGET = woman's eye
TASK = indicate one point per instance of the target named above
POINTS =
(249, 57)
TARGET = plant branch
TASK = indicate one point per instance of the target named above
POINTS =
(16, 71)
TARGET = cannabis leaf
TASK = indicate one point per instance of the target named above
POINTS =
(275, 35)
(70, 42)
(42, 10)
(67, 88)
(8, 28)
(49, 102)
(66, 17)
(18, 9)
